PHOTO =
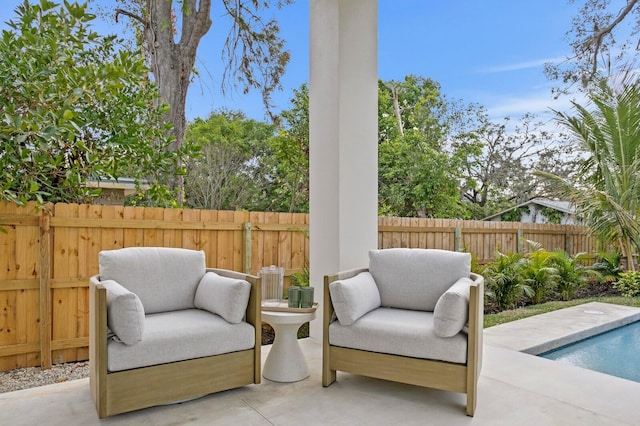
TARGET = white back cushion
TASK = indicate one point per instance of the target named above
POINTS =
(165, 279)
(416, 278)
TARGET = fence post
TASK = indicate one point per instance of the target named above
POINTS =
(457, 239)
(568, 246)
(247, 247)
(519, 240)
(45, 287)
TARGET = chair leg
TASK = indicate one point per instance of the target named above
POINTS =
(471, 398)
(328, 376)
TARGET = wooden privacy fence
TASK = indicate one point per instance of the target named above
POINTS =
(480, 238)
(47, 257)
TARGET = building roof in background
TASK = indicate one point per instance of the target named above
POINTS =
(563, 206)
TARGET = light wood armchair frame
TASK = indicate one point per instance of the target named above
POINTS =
(123, 391)
(421, 372)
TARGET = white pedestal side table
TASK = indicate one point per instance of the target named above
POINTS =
(286, 362)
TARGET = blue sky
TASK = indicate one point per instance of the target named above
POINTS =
(489, 52)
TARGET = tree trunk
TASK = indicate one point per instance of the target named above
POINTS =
(396, 110)
(172, 63)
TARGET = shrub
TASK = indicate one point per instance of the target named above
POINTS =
(539, 272)
(504, 279)
(572, 275)
(608, 266)
(628, 284)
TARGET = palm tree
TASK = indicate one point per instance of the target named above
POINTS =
(606, 191)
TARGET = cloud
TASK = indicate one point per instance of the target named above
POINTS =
(538, 103)
(520, 65)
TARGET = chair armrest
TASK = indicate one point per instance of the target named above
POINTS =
(476, 324)
(253, 314)
(98, 340)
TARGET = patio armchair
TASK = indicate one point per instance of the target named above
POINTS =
(164, 328)
(414, 316)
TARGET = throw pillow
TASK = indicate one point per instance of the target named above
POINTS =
(451, 313)
(227, 297)
(354, 297)
(125, 313)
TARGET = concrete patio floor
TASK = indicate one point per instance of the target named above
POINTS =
(514, 389)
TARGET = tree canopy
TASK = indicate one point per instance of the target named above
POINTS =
(229, 173)
(604, 41)
(416, 175)
(75, 108)
(170, 33)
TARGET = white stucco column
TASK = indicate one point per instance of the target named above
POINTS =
(343, 108)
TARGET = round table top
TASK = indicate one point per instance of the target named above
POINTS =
(287, 317)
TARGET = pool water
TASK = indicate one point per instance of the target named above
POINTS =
(616, 352)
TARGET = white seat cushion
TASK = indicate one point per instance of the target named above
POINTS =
(416, 278)
(354, 297)
(180, 335)
(399, 332)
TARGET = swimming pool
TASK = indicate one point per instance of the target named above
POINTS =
(616, 352)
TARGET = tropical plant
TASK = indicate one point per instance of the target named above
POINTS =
(302, 278)
(572, 274)
(606, 191)
(628, 284)
(539, 272)
(608, 266)
(504, 280)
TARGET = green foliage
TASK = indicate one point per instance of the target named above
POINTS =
(417, 176)
(498, 175)
(628, 284)
(572, 274)
(75, 107)
(553, 216)
(608, 266)
(504, 279)
(229, 172)
(289, 160)
(515, 215)
(605, 191)
(302, 278)
(540, 273)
